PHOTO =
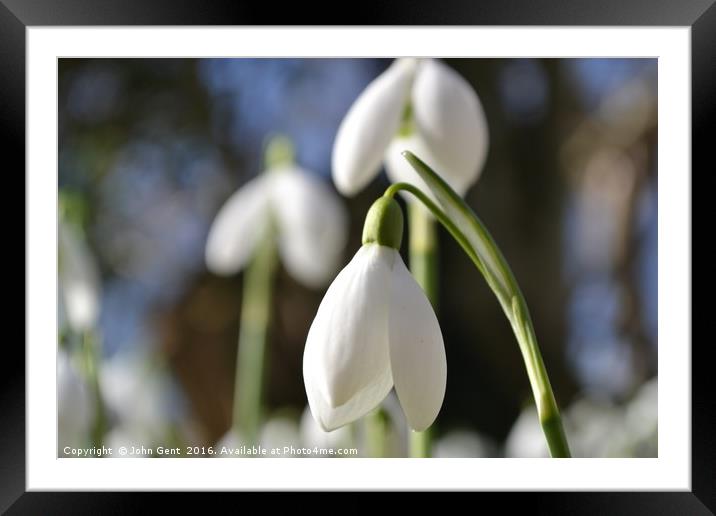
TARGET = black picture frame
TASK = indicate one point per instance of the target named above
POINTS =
(17, 15)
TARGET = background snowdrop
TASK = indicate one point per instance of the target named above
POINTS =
(312, 435)
(290, 205)
(78, 279)
(81, 415)
(285, 211)
(138, 400)
(463, 443)
(75, 404)
(421, 105)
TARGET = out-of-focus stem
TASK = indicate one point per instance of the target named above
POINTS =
(255, 320)
(375, 428)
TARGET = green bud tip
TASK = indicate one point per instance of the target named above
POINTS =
(384, 223)
(279, 152)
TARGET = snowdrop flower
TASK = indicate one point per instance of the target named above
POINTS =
(75, 410)
(309, 218)
(375, 328)
(78, 282)
(419, 105)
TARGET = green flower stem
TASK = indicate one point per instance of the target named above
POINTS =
(487, 257)
(255, 320)
(424, 267)
(256, 312)
(91, 360)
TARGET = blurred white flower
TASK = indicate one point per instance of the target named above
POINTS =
(374, 327)
(312, 435)
(641, 420)
(78, 280)
(642, 410)
(463, 444)
(595, 428)
(136, 397)
(131, 438)
(231, 440)
(75, 409)
(280, 434)
(310, 219)
(526, 438)
(446, 128)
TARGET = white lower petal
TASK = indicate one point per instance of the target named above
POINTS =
(417, 352)
(346, 362)
(450, 119)
(361, 403)
(368, 127)
(350, 330)
(237, 227)
(313, 225)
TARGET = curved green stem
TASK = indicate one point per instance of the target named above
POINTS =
(487, 257)
(423, 266)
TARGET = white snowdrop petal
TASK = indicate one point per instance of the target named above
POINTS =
(361, 403)
(78, 279)
(368, 127)
(450, 118)
(348, 337)
(237, 227)
(313, 225)
(417, 352)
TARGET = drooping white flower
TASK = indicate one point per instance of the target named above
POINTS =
(78, 280)
(447, 128)
(310, 219)
(375, 328)
(75, 410)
